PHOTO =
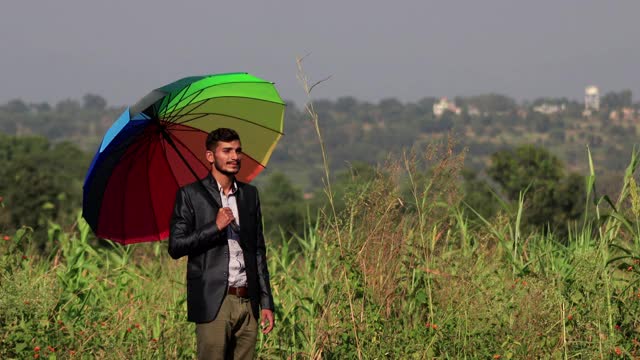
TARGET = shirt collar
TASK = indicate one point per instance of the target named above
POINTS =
(234, 187)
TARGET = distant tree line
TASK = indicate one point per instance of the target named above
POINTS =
(46, 149)
(362, 131)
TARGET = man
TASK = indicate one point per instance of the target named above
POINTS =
(217, 223)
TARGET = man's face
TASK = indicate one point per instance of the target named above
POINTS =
(226, 157)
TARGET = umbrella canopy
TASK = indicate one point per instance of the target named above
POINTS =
(158, 145)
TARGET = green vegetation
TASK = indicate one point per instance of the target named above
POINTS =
(402, 272)
(42, 181)
(553, 198)
(514, 255)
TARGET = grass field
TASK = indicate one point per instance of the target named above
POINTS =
(393, 276)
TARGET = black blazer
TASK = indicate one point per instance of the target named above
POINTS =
(194, 234)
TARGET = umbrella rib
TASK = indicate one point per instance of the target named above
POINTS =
(193, 96)
(246, 97)
(227, 83)
(126, 188)
(174, 117)
(256, 161)
(173, 125)
(145, 137)
(153, 209)
(183, 91)
(230, 97)
(198, 92)
(177, 140)
(116, 147)
(234, 117)
(164, 154)
(183, 128)
(124, 145)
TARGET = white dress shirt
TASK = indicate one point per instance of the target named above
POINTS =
(237, 273)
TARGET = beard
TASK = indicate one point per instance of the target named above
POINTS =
(218, 167)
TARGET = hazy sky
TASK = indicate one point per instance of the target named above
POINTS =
(52, 50)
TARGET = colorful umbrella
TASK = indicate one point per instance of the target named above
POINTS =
(158, 145)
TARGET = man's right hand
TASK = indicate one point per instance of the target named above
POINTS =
(224, 218)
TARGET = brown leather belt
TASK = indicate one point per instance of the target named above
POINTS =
(242, 292)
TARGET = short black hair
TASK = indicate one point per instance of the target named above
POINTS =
(220, 134)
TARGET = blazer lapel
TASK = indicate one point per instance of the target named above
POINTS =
(211, 186)
(243, 212)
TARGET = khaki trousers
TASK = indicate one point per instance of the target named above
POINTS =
(231, 335)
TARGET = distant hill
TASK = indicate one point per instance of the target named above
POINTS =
(357, 131)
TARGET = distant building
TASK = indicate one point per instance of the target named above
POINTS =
(592, 98)
(443, 105)
(473, 111)
(625, 114)
(628, 113)
(549, 109)
(613, 115)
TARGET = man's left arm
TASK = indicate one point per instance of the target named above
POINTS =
(266, 298)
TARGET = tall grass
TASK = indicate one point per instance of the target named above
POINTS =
(414, 277)
(86, 300)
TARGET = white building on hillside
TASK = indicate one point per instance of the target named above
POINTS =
(443, 105)
(549, 109)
